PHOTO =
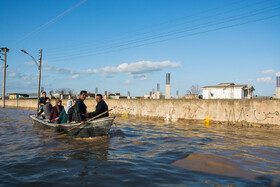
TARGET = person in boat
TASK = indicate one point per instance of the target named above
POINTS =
(42, 102)
(70, 111)
(63, 116)
(47, 108)
(79, 110)
(55, 111)
(100, 108)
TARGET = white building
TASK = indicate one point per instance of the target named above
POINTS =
(155, 95)
(227, 91)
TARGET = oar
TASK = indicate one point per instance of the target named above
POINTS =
(85, 122)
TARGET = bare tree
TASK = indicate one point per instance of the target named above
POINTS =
(51, 93)
(194, 91)
(57, 91)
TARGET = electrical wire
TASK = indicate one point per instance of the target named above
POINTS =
(193, 34)
(156, 25)
(44, 26)
(169, 34)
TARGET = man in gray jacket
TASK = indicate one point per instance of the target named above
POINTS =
(47, 108)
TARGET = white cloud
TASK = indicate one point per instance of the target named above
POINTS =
(136, 69)
(59, 71)
(46, 84)
(265, 79)
(64, 71)
(143, 78)
(89, 71)
(29, 77)
(33, 63)
(75, 76)
(269, 71)
(49, 68)
(144, 67)
(13, 74)
(22, 76)
(28, 82)
(129, 81)
(29, 63)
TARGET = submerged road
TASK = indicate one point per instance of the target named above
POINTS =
(139, 153)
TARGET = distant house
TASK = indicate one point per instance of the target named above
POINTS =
(156, 95)
(91, 95)
(17, 95)
(227, 91)
(61, 96)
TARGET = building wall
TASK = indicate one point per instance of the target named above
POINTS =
(223, 93)
(238, 93)
(226, 110)
(205, 94)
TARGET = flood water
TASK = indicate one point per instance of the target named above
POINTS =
(138, 153)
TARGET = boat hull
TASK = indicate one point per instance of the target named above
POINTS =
(98, 127)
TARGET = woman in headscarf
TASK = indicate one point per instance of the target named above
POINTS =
(55, 111)
(63, 116)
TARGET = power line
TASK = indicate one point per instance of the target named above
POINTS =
(209, 24)
(230, 19)
(44, 26)
(162, 23)
(193, 34)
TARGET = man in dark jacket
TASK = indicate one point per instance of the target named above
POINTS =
(78, 111)
(100, 107)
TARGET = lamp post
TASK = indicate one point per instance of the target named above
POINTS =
(5, 50)
(39, 64)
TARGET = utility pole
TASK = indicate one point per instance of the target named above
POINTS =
(39, 64)
(39, 82)
(5, 50)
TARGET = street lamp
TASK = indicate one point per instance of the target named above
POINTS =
(39, 64)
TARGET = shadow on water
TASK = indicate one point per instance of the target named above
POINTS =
(117, 133)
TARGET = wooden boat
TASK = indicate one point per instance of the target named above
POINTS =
(97, 127)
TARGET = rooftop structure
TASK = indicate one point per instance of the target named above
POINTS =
(17, 95)
(167, 86)
(277, 94)
(227, 91)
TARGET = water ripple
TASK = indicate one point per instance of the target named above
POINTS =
(137, 153)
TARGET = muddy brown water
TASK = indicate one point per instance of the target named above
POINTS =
(138, 153)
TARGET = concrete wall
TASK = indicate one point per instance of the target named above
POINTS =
(226, 110)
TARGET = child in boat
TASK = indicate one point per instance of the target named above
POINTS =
(63, 116)
(55, 111)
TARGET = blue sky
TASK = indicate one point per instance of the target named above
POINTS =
(129, 45)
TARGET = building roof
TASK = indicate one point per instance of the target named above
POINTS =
(23, 94)
(228, 85)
